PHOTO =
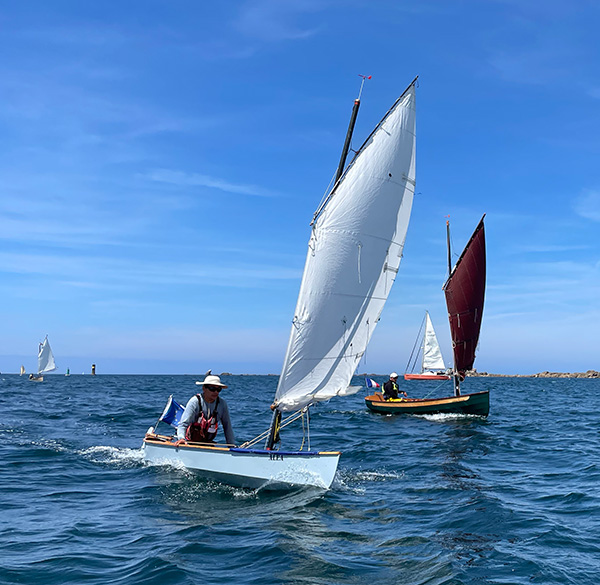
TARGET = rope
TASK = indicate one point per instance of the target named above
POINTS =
(440, 384)
(412, 353)
(284, 423)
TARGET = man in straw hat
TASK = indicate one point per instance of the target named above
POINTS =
(204, 412)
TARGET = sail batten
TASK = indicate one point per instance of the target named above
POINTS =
(354, 251)
(465, 293)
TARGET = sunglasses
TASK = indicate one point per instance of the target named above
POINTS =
(214, 388)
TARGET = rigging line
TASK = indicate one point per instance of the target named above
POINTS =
(414, 347)
(440, 384)
(284, 423)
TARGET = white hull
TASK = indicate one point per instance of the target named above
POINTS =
(248, 468)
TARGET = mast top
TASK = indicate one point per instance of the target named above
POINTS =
(362, 83)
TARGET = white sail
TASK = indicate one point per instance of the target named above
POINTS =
(22, 370)
(45, 357)
(353, 257)
(432, 354)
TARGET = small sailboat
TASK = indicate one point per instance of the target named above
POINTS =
(432, 361)
(45, 361)
(354, 251)
(68, 372)
(465, 292)
(22, 371)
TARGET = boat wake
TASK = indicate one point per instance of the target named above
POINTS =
(355, 480)
(113, 456)
(446, 416)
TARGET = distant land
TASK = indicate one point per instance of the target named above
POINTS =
(475, 374)
(588, 374)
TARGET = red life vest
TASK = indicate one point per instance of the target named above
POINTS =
(205, 429)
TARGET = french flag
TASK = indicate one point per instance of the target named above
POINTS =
(372, 383)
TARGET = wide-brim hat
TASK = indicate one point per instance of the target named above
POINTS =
(212, 381)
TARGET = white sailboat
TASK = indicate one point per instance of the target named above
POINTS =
(354, 251)
(45, 361)
(432, 361)
(22, 371)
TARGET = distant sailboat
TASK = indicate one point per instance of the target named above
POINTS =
(465, 292)
(432, 362)
(45, 361)
(68, 373)
(22, 371)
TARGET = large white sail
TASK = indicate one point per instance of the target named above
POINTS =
(432, 354)
(45, 357)
(353, 257)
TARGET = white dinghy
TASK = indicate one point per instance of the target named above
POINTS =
(354, 252)
(45, 361)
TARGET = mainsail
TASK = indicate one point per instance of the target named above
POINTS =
(354, 252)
(432, 354)
(465, 292)
(45, 357)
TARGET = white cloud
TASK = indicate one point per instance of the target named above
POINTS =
(273, 20)
(181, 179)
(588, 205)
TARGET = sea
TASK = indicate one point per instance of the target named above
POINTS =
(438, 500)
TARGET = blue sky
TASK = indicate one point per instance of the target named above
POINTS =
(160, 163)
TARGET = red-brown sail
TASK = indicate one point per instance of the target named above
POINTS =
(465, 292)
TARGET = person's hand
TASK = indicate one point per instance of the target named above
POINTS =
(180, 442)
(405, 394)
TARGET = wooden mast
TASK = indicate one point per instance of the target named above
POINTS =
(455, 377)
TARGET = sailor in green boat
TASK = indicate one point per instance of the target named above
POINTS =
(391, 390)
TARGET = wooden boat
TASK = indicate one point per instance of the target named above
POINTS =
(354, 251)
(432, 362)
(478, 403)
(465, 292)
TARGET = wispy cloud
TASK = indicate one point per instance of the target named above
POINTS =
(588, 205)
(114, 273)
(181, 179)
(275, 21)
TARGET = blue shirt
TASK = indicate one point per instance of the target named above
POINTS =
(191, 414)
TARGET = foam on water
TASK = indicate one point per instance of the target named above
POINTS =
(114, 455)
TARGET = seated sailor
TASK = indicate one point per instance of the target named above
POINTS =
(391, 389)
(203, 413)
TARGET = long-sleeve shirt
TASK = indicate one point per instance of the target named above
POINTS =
(191, 414)
(390, 389)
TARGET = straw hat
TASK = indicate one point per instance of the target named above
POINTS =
(212, 381)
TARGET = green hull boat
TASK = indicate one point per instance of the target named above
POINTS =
(477, 403)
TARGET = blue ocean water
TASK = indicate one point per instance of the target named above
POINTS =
(435, 500)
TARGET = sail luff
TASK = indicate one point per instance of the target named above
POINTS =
(465, 293)
(353, 256)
